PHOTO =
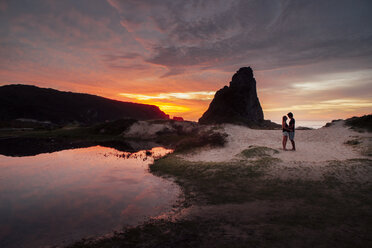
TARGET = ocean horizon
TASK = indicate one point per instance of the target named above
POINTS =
(312, 124)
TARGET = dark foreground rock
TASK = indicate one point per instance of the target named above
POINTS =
(237, 103)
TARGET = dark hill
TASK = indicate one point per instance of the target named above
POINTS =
(42, 104)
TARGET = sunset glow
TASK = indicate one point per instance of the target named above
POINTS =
(171, 109)
(201, 95)
(167, 102)
(176, 54)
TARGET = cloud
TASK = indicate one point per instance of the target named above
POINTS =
(334, 81)
(129, 67)
(116, 57)
(3, 5)
(210, 34)
(334, 104)
(198, 95)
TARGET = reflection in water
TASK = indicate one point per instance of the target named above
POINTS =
(62, 196)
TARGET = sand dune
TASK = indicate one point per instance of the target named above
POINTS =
(324, 144)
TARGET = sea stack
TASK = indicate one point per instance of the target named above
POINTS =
(237, 103)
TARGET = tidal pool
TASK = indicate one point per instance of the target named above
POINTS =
(60, 197)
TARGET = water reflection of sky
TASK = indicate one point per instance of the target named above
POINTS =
(56, 197)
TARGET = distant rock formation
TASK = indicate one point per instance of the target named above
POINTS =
(237, 103)
(59, 107)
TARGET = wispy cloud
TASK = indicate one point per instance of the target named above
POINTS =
(198, 95)
(3, 5)
(334, 104)
(334, 81)
(116, 57)
(129, 67)
(263, 33)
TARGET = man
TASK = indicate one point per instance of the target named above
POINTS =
(292, 130)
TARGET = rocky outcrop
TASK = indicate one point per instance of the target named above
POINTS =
(237, 103)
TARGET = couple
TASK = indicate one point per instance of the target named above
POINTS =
(288, 131)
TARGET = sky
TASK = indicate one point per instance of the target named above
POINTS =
(313, 58)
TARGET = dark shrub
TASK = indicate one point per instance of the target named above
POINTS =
(364, 122)
(212, 139)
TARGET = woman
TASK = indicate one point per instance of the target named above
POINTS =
(285, 132)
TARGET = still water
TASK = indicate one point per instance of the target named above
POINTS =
(59, 197)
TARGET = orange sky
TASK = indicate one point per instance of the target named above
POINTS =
(176, 55)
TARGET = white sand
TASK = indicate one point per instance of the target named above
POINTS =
(317, 145)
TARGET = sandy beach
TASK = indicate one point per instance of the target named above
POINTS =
(318, 145)
(330, 162)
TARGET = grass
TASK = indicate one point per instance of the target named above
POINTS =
(32, 142)
(364, 145)
(190, 142)
(258, 151)
(367, 151)
(156, 233)
(211, 182)
(102, 131)
(352, 142)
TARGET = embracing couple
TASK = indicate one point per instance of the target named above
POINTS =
(288, 131)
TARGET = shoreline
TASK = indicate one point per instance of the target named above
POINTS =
(239, 188)
(261, 198)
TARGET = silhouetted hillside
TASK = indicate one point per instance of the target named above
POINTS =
(42, 104)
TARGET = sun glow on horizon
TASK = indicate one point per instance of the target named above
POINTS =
(171, 109)
(195, 95)
(189, 105)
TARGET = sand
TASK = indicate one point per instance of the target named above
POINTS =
(318, 145)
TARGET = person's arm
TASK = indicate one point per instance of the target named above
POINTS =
(284, 126)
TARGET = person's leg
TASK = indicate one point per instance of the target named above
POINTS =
(291, 138)
(284, 142)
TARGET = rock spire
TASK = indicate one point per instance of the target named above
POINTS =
(237, 103)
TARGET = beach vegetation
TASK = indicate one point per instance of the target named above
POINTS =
(258, 151)
(360, 123)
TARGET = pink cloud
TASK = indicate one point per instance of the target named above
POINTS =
(3, 6)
